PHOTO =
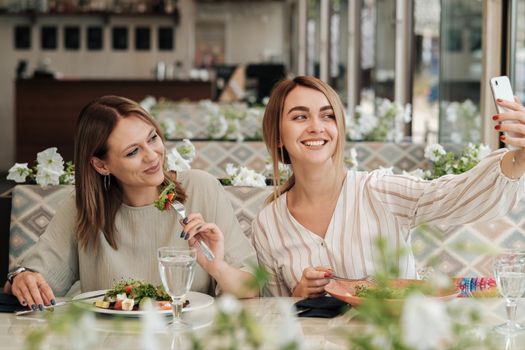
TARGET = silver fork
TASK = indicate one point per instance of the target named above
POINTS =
(179, 207)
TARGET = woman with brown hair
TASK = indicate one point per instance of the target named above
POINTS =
(110, 229)
(325, 219)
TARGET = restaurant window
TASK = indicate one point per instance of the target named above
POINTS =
(120, 38)
(48, 37)
(142, 38)
(22, 37)
(71, 37)
(460, 71)
(338, 71)
(94, 38)
(313, 38)
(425, 98)
(165, 38)
(376, 71)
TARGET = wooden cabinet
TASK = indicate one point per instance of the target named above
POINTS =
(46, 110)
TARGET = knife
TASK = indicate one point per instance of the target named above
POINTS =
(61, 303)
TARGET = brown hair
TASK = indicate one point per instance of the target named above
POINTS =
(272, 126)
(96, 206)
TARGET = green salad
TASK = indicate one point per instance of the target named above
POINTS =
(363, 291)
(166, 197)
(138, 290)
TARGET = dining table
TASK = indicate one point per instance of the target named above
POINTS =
(110, 332)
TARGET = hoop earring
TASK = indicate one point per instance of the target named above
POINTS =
(107, 181)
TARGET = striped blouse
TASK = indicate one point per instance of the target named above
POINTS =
(373, 204)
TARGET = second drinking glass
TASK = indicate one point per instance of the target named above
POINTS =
(509, 270)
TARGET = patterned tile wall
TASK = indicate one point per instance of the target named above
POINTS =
(33, 207)
(213, 156)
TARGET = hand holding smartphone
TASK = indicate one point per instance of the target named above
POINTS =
(501, 89)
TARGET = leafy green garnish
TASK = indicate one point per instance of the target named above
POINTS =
(163, 202)
(138, 290)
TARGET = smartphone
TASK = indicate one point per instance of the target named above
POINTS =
(502, 89)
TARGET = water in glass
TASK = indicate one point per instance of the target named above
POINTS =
(509, 270)
(177, 268)
(176, 273)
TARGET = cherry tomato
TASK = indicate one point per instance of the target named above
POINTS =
(164, 305)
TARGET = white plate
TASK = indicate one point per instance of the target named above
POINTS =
(197, 301)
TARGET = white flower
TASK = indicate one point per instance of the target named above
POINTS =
(265, 100)
(217, 126)
(152, 323)
(434, 152)
(229, 305)
(407, 113)
(175, 162)
(467, 312)
(425, 323)
(69, 179)
(187, 150)
(439, 280)
(416, 173)
(245, 177)
(287, 329)
(46, 176)
(148, 103)
(484, 151)
(18, 172)
(351, 161)
(50, 159)
(231, 170)
(81, 335)
(386, 170)
(455, 137)
(452, 112)
(166, 119)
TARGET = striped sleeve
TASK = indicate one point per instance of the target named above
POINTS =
(480, 194)
(261, 241)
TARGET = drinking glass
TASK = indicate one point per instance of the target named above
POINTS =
(509, 270)
(177, 268)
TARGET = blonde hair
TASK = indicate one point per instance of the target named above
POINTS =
(96, 205)
(272, 126)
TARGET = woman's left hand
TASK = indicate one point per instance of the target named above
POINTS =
(512, 123)
(196, 228)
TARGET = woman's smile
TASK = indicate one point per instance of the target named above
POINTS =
(153, 169)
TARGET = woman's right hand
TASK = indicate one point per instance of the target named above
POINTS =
(32, 290)
(312, 282)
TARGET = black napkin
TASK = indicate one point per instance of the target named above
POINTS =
(325, 307)
(9, 303)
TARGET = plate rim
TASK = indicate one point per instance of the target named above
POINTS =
(359, 300)
(86, 300)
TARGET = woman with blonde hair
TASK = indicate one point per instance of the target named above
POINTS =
(110, 229)
(325, 219)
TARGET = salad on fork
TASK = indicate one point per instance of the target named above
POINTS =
(167, 199)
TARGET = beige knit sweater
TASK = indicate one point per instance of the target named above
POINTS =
(141, 230)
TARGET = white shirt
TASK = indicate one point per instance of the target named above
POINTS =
(373, 204)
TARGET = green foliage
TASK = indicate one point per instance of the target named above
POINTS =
(260, 278)
(452, 163)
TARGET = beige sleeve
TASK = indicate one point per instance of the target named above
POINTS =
(55, 255)
(210, 199)
(480, 194)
